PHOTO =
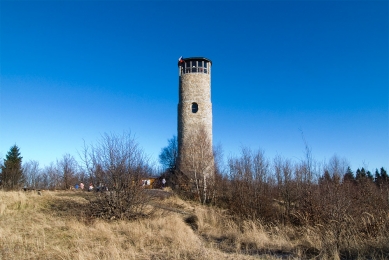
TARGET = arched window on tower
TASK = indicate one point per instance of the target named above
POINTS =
(195, 107)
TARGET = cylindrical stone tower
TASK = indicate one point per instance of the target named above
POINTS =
(194, 105)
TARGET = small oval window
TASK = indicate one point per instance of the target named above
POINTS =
(195, 107)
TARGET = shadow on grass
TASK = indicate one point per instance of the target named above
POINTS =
(71, 205)
(77, 204)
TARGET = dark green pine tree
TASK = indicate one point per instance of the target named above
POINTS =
(11, 176)
(369, 176)
(349, 175)
(361, 174)
(384, 175)
(377, 178)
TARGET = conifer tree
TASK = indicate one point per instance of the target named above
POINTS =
(11, 176)
(377, 178)
(369, 176)
(360, 174)
(384, 175)
(349, 175)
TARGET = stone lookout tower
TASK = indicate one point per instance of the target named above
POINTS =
(194, 105)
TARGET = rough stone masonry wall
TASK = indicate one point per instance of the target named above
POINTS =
(194, 87)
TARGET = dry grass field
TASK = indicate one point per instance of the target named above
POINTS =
(54, 225)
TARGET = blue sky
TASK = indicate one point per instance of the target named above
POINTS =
(73, 70)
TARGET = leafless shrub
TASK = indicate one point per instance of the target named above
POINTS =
(250, 185)
(348, 216)
(116, 165)
(335, 218)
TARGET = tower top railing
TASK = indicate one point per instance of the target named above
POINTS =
(194, 65)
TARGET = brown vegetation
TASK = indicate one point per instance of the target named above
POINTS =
(118, 165)
(252, 208)
(329, 217)
(57, 225)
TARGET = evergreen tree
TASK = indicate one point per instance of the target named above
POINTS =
(348, 176)
(384, 175)
(369, 175)
(11, 176)
(326, 178)
(377, 178)
(361, 174)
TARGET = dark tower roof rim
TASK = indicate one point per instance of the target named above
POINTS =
(195, 58)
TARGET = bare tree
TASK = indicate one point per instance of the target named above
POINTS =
(44, 181)
(198, 163)
(119, 164)
(307, 167)
(336, 167)
(67, 168)
(32, 174)
(217, 184)
(250, 176)
(287, 183)
(51, 178)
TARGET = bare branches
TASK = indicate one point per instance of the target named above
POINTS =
(32, 174)
(197, 162)
(118, 164)
(67, 168)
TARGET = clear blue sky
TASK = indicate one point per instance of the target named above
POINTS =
(73, 70)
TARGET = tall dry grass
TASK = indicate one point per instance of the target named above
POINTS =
(249, 237)
(54, 226)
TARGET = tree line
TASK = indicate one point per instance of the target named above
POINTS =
(349, 211)
(98, 164)
(251, 174)
(344, 207)
(63, 174)
(250, 185)
(115, 165)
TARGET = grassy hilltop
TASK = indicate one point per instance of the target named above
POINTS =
(56, 225)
